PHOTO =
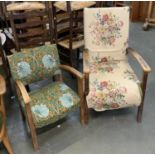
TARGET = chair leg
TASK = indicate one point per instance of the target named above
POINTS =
(140, 113)
(7, 144)
(83, 113)
(32, 129)
(140, 108)
(34, 136)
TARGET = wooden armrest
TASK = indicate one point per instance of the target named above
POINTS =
(23, 91)
(141, 61)
(2, 85)
(72, 70)
(86, 61)
(80, 78)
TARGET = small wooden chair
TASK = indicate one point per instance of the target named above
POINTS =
(3, 131)
(110, 82)
(50, 103)
(73, 20)
(31, 24)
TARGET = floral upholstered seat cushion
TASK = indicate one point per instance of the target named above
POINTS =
(52, 103)
(113, 85)
(35, 64)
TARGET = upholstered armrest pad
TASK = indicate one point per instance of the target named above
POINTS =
(22, 90)
(2, 85)
(72, 70)
(85, 61)
(141, 61)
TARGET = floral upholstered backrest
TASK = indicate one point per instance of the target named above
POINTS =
(35, 64)
(106, 29)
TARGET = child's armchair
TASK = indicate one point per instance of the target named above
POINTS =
(110, 82)
(48, 104)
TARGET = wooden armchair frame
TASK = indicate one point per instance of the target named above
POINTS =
(22, 93)
(144, 66)
(3, 132)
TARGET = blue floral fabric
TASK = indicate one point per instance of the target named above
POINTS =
(35, 64)
(52, 103)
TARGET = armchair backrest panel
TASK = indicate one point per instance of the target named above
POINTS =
(106, 29)
(35, 64)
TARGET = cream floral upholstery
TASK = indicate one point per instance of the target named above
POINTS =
(112, 85)
(112, 82)
(106, 29)
(52, 103)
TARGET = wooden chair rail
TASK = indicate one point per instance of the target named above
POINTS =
(33, 42)
(67, 19)
(32, 24)
(30, 14)
(30, 34)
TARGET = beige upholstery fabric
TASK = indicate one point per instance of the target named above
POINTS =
(106, 29)
(113, 85)
(112, 82)
(75, 5)
(25, 6)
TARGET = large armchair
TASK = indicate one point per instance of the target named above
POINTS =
(110, 82)
(50, 103)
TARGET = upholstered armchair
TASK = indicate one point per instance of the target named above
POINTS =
(110, 82)
(3, 132)
(50, 103)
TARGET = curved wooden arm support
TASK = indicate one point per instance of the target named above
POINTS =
(80, 78)
(72, 70)
(22, 92)
(2, 85)
(146, 68)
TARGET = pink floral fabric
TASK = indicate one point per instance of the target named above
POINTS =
(114, 89)
(105, 64)
(106, 28)
(112, 84)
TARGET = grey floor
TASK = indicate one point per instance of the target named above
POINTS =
(107, 132)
